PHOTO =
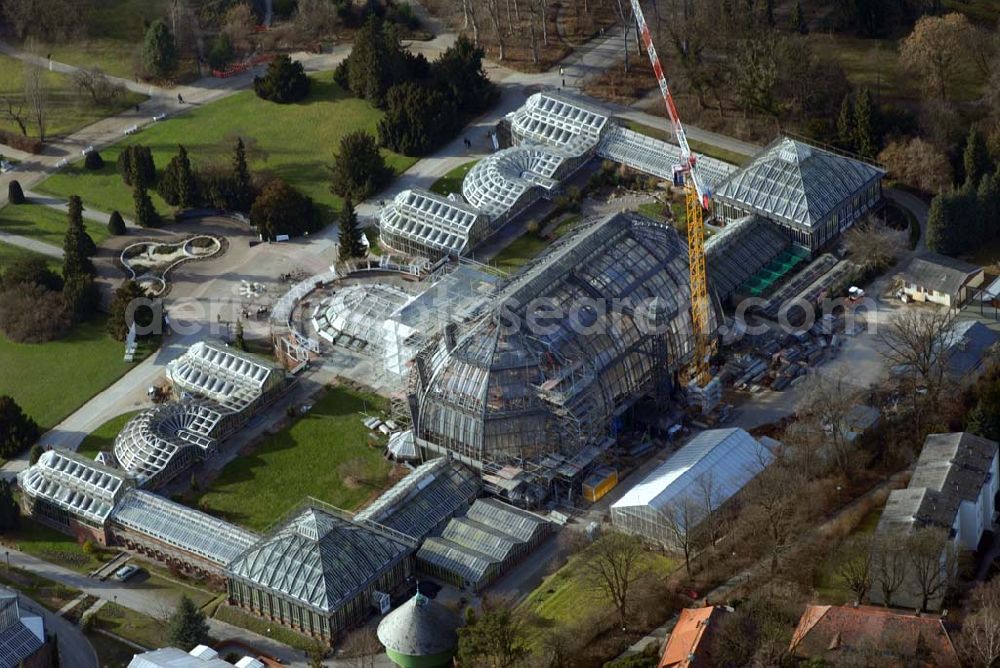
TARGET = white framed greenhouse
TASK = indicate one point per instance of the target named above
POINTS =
(715, 465)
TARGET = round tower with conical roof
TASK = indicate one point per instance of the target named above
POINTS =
(420, 634)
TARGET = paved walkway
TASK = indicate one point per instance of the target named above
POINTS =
(158, 604)
(74, 648)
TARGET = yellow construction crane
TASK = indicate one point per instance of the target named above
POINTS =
(697, 201)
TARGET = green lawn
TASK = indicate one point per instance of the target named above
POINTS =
(44, 223)
(294, 141)
(103, 438)
(9, 253)
(237, 617)
(302, 460)
(64, 374)
(567, 596)
(40, 541)
(528, 246)
(712, 151)
(131, 625)
(452, 181)
(66, 111)
(113, 32)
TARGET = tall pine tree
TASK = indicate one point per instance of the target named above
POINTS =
(187, 188)
(976, 158)
(845, 123)
(864, 122)
(350, 233)
(10, 513)
(78, 247)
(187, 627)
(242, 195)
(121, 308)
(145, 214)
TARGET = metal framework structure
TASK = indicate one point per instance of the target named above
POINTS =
(189, 530)
(160, 442)
(489, 394)
(65, 486)
(476, 549)
(231, 378)
(355, 315)
(505, 182)
(419, 503)
(556, 120)
(319, 570)
(813, 194)
(419, 222)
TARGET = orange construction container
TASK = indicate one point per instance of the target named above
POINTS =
(599, 483)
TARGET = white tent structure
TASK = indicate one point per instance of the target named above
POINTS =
(716, 461)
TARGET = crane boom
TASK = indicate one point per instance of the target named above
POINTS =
(697, 200)
(690, 160)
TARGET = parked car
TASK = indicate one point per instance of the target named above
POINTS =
(125, 572)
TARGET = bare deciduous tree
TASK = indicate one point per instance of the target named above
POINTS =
(13, 108)
(855, 565)
(493, 11)
(824, 409)
(681, 519)
(708, 493)
(889, 568)
(773, 504)
(931, 562)
(361, 647)
(94, 83)
(914, 340)
(36, 96)
(873, 244)
(615, 564)
(624, 9)
(979, 642)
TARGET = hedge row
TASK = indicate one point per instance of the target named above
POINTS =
(20, 142)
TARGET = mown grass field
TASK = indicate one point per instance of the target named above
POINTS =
(295, 141)
(103, 438)
(9, 253)
(569, 596)
(51, 595)
(112, 33)
(44, 223)
(303, 460)
(40, 541)
(452, 181)
(63, 374)
(66, 111)
(237, 617)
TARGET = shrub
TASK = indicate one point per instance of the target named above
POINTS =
(32, 314)
(88, 547)
(222, 52)
(30, 270)
(22, 143)
(281, 209)
(116, 224)
(285, 81)
(93, 161)
(35, 454)
(14, 193)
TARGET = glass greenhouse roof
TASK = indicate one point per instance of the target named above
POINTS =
(496, 183)
(318, 559)
(418, 503)
(77, 484)
(183, 527)
(229, 377)
(150, 440)
(731, 457)
(558, 120)
(430, 220)
(358, 312)
(796, 183)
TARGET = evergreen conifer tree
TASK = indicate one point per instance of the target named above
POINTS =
(976, 158)
(187, 627)
(145, 214)
(10, 513)
(242, 198)
(350, 233)
(845, 123)
(864, 121)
